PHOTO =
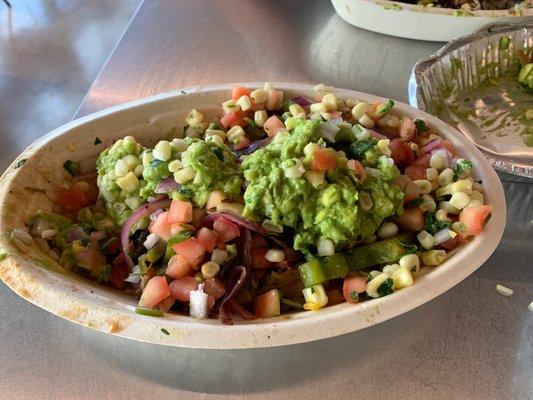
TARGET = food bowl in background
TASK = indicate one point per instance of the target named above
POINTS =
(418, 22)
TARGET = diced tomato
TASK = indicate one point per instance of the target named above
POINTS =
(156, 290)
(221, 244)
(178, 267)
(446, 144)
(165, 304)
(258, 107)
(268, 304)
(161, 227)
(243, 143)
(238, 91)
(416, 171)
(225, 229)
(258, 258)
(272, 99)
(119, 272)
(179, 212)
(191, 250)
(180, 288)
(401, 152)
(451, 244)
(412, 219)
(356, 166)
(72, 198)
(473, 218)
(258, 241)
(334, 297)
(214, 287)
(233, 119)
(407, 129)
(272, 125)
(352, 286)
(423, 161)
(207, 238)
(335, 114)
(323, 160)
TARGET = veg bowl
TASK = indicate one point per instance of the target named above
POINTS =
(28, 185)
(419, 22)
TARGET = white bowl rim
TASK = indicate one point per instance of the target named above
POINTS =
(288, 329)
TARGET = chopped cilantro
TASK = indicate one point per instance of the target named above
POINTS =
(148, 311)
(354, 295)
(217, 151)
(462, 168)
(292, 303)
(420, 125)
(97, 141)
(432, 226)
(385, 288)
(165, 331)
(183, 92)
(20, 163)
(358, 149)
(72, 167)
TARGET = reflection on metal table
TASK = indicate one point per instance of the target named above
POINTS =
(468, 343)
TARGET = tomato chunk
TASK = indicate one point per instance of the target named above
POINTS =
(178, 267)
(401, 152)
(161, 227)
(180, 212)
(352, 286)
(323, 160)
(156, 290)
(72, 198)
(237, 91)
(180, 288)
(272, 125)
(233, 119)
(334, 297)
(412, 219)
(268, 304)
(207, 238)
(191, 250)
(416, 171)
(407, 129)
(119, 272)
(214, 287)
(473, 218)
(225, 229)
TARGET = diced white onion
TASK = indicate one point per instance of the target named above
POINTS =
(275, 255)
(198, 305)
(505, 291)
(328, 131)
(150, 241)
(325, 247)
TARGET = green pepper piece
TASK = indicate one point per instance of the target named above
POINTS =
(383, 252)
(312, 273)
(180, 237)
(335, 266)
(156, 252)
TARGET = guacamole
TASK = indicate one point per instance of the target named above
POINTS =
(331, 210)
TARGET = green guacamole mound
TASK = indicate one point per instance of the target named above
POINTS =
(119, 203)
(329, 211)
(216, 168)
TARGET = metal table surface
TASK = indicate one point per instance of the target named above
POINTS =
(469, 343)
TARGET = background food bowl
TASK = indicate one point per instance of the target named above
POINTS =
(417, 22)
(28, 186)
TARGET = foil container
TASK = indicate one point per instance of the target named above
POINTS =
(471, 84)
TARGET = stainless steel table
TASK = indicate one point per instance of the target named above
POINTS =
(469, 343)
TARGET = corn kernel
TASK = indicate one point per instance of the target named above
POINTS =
(235, 133)
(316, 295)
(267, 86)
(438, 161)
(445, 177)
(184, 175)
(359, 110)
(258, 96)
(428, 203)
(179, 144)
(464, 185)
(475, 195)
(424, 185)
(216, 140)
(389, 269)
(330, 102)
(374, 284)
(260, 118)
(121, 168)
(460, 200)
(366, 121)
(174, 166)
(387, 230)
(129, 182)
(230, 106)
(351, 102)
(442, 216)
(244, 102)
(147, 157)
(383, 146)
(162, 150)
(410, 262)
(427, 240)
(210, 269)
(317, 108)
(433, 257)
(296, 109)
(402, 278)
(138, 171)
(446, 205)
(432, 174)
(194, 117)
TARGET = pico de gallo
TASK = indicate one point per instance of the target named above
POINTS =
(280, 204)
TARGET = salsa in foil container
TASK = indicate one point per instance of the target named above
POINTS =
(473, 84)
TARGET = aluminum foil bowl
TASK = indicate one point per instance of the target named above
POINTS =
(470, 84)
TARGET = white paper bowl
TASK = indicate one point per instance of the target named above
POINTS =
(78, 300)
(412, 21)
